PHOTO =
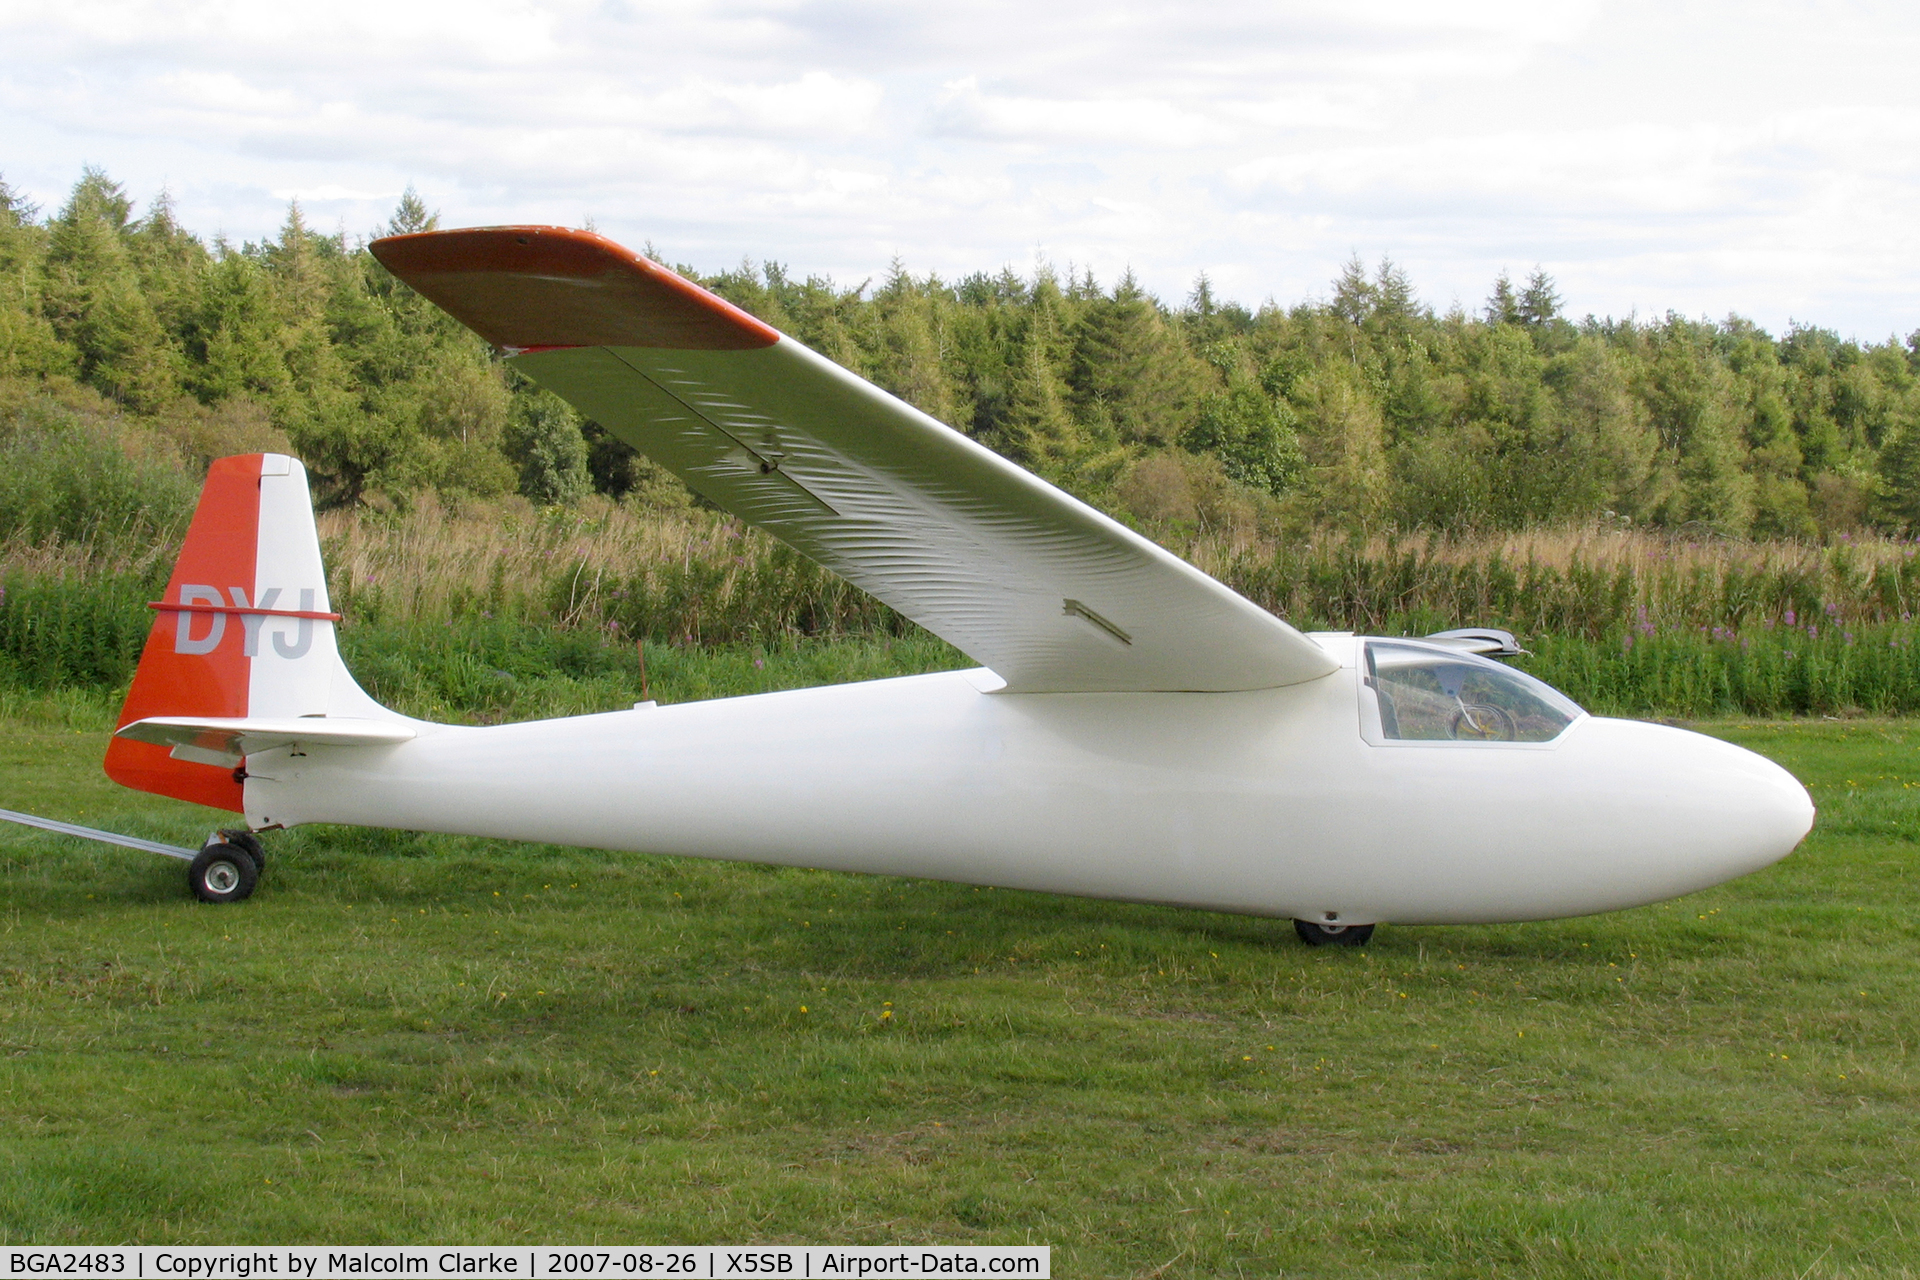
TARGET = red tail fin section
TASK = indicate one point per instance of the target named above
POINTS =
(190, 664)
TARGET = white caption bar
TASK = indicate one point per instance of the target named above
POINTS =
(519, 1262)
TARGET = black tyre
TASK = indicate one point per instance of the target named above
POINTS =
(251, 843)
(222, 872)
(1332, 935)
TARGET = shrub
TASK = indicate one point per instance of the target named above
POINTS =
(71, 476)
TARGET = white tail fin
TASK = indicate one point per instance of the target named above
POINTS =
(244, 633)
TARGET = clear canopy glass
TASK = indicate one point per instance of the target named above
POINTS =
(1424, 693)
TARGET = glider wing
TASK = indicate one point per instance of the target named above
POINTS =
(1047, 592)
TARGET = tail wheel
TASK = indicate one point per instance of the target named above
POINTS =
(1315, 934)
(223, 872)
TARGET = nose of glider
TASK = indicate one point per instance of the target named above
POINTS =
(1719, 810)
(1769, 811)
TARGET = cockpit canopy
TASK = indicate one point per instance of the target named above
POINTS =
(1425, 693)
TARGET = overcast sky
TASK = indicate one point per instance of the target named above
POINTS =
(1760, 157)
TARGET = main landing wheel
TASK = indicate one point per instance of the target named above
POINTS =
(251, 843)
(1315, 934)
(223, 872)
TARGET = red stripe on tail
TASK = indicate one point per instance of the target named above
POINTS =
(193, 664)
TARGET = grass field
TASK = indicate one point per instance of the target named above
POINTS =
(408, 1038)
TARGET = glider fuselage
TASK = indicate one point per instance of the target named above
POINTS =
(1267, 803)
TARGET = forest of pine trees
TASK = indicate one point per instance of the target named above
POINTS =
(1366, 411)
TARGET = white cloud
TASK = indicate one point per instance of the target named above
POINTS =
(1627, 171)
(962, 110)
(331, 194)
(1759, 157)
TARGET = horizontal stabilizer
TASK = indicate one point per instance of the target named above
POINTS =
(228, 739)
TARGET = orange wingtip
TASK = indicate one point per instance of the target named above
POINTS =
(533, 287)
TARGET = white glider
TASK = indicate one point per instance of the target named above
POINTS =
(1137, 730)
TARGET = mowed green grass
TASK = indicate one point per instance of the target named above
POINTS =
(406, 1038)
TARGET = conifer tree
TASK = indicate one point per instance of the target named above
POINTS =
(29, 346)
(411, 216)
(1131, 370)
(1353, 293)
(1539, 302)
(1691, 401)
(1503, 304)
(1344, 441)
(911, 356)
(1038, 430)
(96, 303)
(1898, 492)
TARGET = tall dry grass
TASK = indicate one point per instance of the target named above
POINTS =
(684, 573)
(679, 574)
(56, 561)
(688, 573)
(1582, 580)
(432, 563)
(467, 608)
